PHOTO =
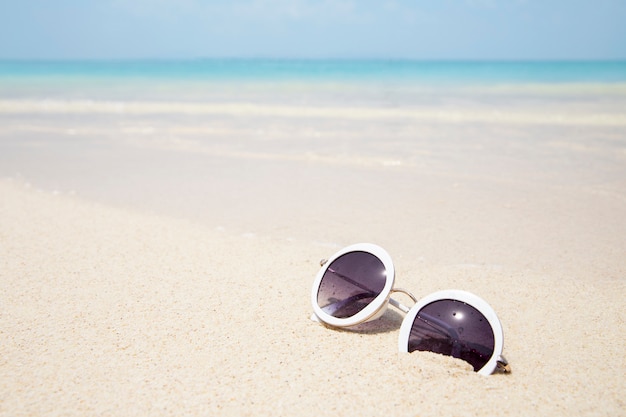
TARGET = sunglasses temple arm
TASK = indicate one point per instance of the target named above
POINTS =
(503, 364)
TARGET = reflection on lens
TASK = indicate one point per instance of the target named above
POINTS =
(453, 328)
(350, 283)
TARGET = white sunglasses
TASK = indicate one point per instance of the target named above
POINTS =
(355, 285)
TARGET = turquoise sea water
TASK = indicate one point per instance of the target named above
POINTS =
(403, 71)
(325, 82)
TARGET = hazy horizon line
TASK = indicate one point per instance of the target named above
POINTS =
(313, 58)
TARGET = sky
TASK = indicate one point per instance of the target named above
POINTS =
(390, 29)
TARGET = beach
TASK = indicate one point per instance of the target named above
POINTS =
(158, 245)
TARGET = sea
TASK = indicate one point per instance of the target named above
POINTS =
(407, 71)
(223, 79)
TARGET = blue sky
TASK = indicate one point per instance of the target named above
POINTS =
(417, 29)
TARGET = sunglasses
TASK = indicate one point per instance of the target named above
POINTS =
(355, 285)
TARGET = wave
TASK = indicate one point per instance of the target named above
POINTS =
(444, 115)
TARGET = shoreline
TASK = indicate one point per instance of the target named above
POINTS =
(443, 115)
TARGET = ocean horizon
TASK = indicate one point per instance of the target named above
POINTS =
(312, 70)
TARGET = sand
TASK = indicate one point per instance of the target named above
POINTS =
(148, 271)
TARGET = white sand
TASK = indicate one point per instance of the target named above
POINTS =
(117, 313)
(177, 282)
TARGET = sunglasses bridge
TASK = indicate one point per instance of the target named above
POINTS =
(398, 305)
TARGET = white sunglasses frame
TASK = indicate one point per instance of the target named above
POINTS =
(377, 307)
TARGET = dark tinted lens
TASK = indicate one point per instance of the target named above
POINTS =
(455, 329)
(350, 283)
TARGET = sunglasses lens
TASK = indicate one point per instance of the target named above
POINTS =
(453, 328)
(350, 283)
